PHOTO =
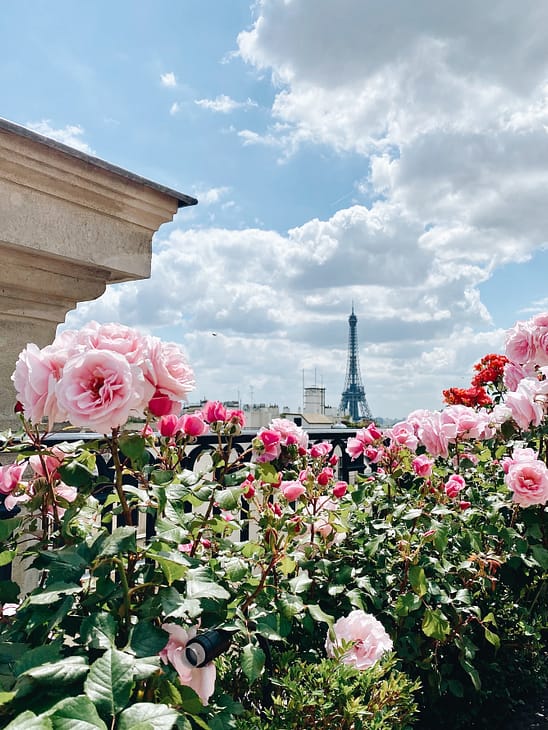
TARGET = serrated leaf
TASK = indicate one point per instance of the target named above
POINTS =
(53, 593)
(8, 526)
(99, 630)
(417, 579)
(29, 721)
(47, 653)
(110, 682)
(253, 659)
(406, 604)
(147, 639)
(76, 713)
(301, 582)
(435, 624)
(144, 667)
(132, 445)
(148, 716)
(319, 615)
(121, 540)
(229, 499)
(68, 669)
(200, 584)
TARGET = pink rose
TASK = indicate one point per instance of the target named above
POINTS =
(46, 464)
(292, 490)
(359, 640)
(266, 445)
(325, 476)
(403, 434)
(422, 465)
(113, 337)
(166, 368)
(10, 476)
(168, 425)
(99, 389)
(200, 679)
(214, 411)
(289, 432)
(340, 489)
(435, 434)
(35, 376)
(192, 424)
(527, 403)
(528, 480)
(454, 485)
(162, 405)
(518, 455)
(354, 447)
(520, 344)
(513, 373)
(464, 505)
(319, 450)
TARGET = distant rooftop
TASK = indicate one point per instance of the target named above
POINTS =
(7, 126)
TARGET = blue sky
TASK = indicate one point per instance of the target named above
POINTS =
(393, 155)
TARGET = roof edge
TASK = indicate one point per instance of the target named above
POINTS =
(183, 200)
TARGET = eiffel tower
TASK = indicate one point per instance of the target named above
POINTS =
(353, 401)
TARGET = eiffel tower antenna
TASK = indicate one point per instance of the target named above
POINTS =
(353, 401)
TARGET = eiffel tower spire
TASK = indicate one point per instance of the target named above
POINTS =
(353, 401)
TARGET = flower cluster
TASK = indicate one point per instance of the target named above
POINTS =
(489, 370)
(101, 375)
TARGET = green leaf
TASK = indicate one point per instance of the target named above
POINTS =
(110, 682)
(80, 471)
(29, 721)
(148, 716)
(492, 638)
(122, 540)
(68, 669)
(301, 582)
(76, 713)
(201, 584)
(98, 631)
(472, 672)
(540, 554)
(435, 624)
(147, 639)
(9, 591)
(319, 615)
(8, 526)
(7, 556)
(229, 498)
(47, 653)
(144, 667)
(174, 565)
(417, 579)
(53, 593)
(267, 473)
(406, 604)
(412, 514)
(253, 659)
(132, 445)
(161, 477)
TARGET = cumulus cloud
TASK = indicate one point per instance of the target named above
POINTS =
(175, 108)
(168, 79)
(446, 107)
(70, 135)
(224, 104)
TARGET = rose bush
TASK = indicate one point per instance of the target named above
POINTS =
(423, 580)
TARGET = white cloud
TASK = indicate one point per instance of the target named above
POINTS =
(210, 196)
(175, 108)
(224, 104)
(70, 135)
(168, 79)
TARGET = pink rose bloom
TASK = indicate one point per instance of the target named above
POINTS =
(454, 485)
(403, 434)
(35, 376)
(354, 447)
(528, 480)
(520, 343)
(422, 465)
(361, 637)
(518, 455)
(46, 464)
(235, 421)
(289, 432)
(200, 679)
(214, 411)
(113, 337)
(540, 339)
(527, 403)
(513, 374)
(192, 424)
(63, 491)
(292, 490)
(166, 368)
(10, 476)
(325, 476)
(162, 405)
(266, 445)
(333, 460)
(319, 450)
(373, 454)
(467, 422)
(99, 389)
(436, 434)
(340, 489)
(415, 418)
(168, 425)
